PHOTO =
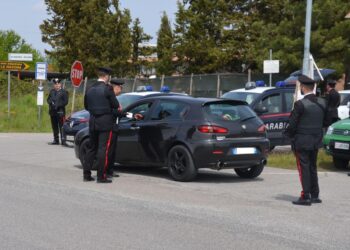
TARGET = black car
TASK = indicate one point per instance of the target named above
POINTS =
(80, 119)
(272, 104)
(185, 134)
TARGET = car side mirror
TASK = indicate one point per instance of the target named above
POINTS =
(260, 109)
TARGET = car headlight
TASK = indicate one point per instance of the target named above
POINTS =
(330, 130)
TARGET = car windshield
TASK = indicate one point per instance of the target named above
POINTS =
(344, 98)
(242, 96)
(126, 100)
(228, 112)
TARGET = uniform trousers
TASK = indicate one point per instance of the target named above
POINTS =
(307, 167)
(57, 123)
(99, 153)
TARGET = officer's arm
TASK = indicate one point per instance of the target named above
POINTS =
(112, 99)
(65, 98)
(294, 119)
(85, 103)
(49, 101)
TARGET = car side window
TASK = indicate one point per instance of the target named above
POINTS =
(142, 109)
(273, 103)
(289, 97)
(169, 110)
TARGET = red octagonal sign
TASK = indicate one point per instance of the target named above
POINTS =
(76, 73)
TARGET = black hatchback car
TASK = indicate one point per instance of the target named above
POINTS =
(185, 134)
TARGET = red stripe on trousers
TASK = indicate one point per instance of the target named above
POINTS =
(300, 173)
(107, 150)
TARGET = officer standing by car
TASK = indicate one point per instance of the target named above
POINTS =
(117, 87)
(57, 100)
(333, 102)
(306, 132)
(100, 101)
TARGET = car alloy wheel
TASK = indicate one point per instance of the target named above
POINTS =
(180, 164)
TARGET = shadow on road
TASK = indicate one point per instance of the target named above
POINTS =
(286, 197)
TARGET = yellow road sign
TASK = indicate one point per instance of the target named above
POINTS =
(9, 66)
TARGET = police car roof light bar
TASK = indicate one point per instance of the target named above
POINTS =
(281, 84)
(260, 83)
(250, 85)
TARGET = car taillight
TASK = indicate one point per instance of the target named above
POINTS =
(262, 129)
(212, 129)
(83, 120)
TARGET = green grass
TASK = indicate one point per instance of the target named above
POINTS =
(286, 160)
(24, 114)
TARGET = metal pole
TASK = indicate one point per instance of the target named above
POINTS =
(249, 75)
(218, 87)
(39, 106)
(191, 84)
(8, 94)
(270, 73)
(73, 100)
(162, 81)
(306, 60)
(134, 84)
(85, 83)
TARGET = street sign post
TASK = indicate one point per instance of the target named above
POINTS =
(11, 66)
(23, 57)
(76, 76)
(41, 71)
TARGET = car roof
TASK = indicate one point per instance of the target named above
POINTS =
(151, 93)
(197, 100)
(257, 90)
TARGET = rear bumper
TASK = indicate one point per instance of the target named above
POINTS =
(337, 153)
(220, 154)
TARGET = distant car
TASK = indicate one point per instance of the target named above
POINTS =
(272, 104)
(184, 134)
(343, 109)
(80, 119)
(337, 143)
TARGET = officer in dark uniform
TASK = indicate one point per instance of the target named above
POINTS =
(117, 87)
(57, 100)
(333, 102)
(100, 101)
(306, 132)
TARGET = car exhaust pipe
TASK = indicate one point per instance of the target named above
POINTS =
(263, 162)
(219, 165)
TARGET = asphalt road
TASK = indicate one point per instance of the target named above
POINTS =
(44, 204)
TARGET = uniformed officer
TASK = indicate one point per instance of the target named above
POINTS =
(117, 86)
(100, 101)
(306, 131)
(57, 100)
(333, 102)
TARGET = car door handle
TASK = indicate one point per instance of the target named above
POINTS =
(134, 127)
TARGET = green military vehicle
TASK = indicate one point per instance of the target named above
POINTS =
(337, 143)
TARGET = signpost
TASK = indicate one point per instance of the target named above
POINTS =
(76, 76)
(41, 75)
(23, 57)
(271, 67)
(11, 66)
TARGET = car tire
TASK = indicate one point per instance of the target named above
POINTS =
(180, 164)
(84, 146)
(251, 172)
(340, 163)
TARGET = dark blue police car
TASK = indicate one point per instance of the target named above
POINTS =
(272, 104)
(184, 134)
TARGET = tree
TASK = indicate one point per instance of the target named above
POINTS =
(165, 47)
(11, 42)
(95, 32)
(139, 49)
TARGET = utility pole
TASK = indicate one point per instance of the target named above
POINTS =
(306, 60)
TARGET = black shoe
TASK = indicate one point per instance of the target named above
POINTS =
(88, 178)
(104, 181)
(111, 175)
(54, 143)
(316, 200)
(302, 202)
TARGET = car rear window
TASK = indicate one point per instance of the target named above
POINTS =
(228, 112)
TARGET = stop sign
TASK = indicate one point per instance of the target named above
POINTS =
(76, 73)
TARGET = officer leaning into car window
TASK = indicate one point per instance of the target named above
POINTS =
(306, 132)
(100, 101)
(333, 102)
(57, 100)
(117, 87)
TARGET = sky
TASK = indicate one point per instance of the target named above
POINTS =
(25, 16)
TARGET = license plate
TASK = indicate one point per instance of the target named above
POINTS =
(339, 145)
(244, 151)
(70, 138)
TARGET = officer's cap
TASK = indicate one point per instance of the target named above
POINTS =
(115, 81)
(306, 80)
(105, 70)
(56, 81)
(331, 83)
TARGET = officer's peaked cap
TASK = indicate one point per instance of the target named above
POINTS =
(56, 81)
(306, 80)
(331, 83)
(105, 70)
(115, 81)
